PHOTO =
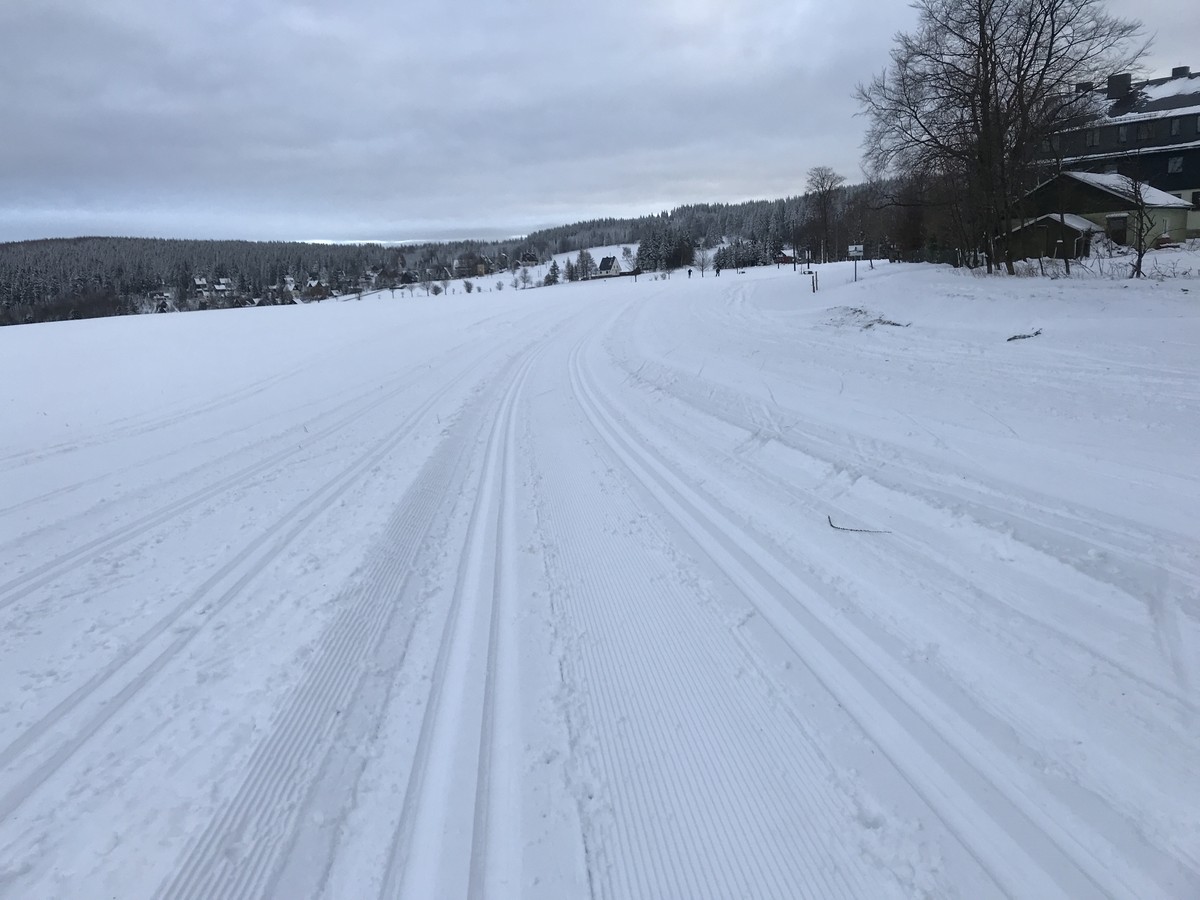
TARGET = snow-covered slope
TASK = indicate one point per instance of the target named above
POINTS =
(671, 588)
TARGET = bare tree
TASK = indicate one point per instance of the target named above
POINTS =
(822, 184)
(526, 278)
(1141, 226)
(702, 260)
(972, 93)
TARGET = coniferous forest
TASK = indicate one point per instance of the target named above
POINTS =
(86, 277)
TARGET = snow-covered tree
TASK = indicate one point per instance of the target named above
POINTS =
(585, 265)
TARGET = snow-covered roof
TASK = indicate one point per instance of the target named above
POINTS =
(1122, 154)
(1171, 87)
(1123, 186)
(1156, 98)
(1079, 223)
(1149, 114)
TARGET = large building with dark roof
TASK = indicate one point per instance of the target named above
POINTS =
(1148, 130)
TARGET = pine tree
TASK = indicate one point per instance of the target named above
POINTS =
(585, 265)
(552, 275)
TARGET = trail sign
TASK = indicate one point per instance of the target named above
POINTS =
(856, 254)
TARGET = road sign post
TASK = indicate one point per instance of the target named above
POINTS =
(856, 252)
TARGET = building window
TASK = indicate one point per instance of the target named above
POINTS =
(1174, 165)
(1123, 133)
(1175, 127)
(1144, 131)
(1196, 199)
(1092, 137)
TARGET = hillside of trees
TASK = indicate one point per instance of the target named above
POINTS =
(47, 280)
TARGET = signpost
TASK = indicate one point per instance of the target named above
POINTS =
(856, 252)
(808, 268)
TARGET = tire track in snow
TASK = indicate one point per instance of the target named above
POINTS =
(1028, 843)
(104, 694)
(471, 722)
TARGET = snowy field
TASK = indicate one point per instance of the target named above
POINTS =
(669, 589)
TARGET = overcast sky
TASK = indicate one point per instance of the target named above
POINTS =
(432, 119)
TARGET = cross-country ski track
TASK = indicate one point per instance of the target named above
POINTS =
(536, 594)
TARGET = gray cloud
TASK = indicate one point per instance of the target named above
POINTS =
(366, 119)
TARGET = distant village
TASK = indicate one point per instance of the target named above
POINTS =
(206, 292)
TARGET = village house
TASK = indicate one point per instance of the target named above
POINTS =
(609, 268)
(1053, 236)
(1111, 203)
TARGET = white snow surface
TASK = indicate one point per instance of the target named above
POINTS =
(537, 594)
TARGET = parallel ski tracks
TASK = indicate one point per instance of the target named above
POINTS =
(95, 702)
(23, 585)
(338, 403)
(1027, 842)
(462, 800)
(1040, 517)
(134, 426)
(833, 448)
(348, 411)
(260, 820)
(666, 716)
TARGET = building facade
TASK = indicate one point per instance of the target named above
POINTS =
(1147, 130)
